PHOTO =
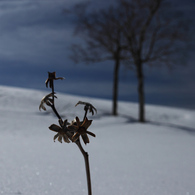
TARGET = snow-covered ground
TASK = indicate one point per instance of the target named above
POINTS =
(126, 157)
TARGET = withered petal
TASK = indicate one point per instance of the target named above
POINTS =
(51, 75)
(50, 95)
(69, 134)
(92, 112)
(61, 78)
(90, 133)
(41, 106)
(86, 123)
(73, 127)
(85, 138)
(92, 108)
(49, 103)
(46, 82)
(55, 137)
(78, 121)
(55, 128)
(65, 138)
(87, 106)
(60, 138)
(79, 102)
(75, 137)
(65, 123)
(61, 122)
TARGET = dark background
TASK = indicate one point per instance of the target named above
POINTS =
(35, 36)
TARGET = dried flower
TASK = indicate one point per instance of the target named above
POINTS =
(81, 129)
(51, 77)
(87, 107)
(48, 100)
(62, 131)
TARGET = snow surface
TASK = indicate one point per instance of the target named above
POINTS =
(126, 157)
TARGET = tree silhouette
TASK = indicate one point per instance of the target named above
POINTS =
(154, 32)
(137, 32)
(103, 38)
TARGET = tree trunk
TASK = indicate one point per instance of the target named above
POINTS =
(115, 87)
(141, 98)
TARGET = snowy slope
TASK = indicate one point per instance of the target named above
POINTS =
(126, 157)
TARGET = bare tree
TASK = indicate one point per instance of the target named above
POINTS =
(103, 39)
(153, 34)
(146, 29)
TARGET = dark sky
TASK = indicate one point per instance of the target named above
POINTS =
(35, 36)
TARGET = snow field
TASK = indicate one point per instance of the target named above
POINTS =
(126, 157)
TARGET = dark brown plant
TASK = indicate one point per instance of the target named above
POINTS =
(66, 131)
(51, 78)
(88, 107)
(81, 130)
(48, 100)
(62, 131)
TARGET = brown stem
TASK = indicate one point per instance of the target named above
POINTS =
(53, 105)
(55, 111)
(86, 158)
(85, 115)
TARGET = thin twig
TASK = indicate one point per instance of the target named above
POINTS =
(86, 158)
(85, 115)
(55, 111)
(53, 105)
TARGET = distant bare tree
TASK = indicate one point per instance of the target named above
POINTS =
(144, 31)
(153, 33)
(103, 38)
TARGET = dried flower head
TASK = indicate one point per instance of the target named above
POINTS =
(48, 100)
(62, 131)
(81, 130)
(51, 77)
(87, 107)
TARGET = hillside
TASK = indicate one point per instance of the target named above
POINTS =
(126, 157)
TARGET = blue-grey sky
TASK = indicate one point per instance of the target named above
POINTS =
(35, 36)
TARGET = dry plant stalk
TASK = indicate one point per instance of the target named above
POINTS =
(70, 132)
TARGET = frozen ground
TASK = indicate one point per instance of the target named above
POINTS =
(126, 157)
